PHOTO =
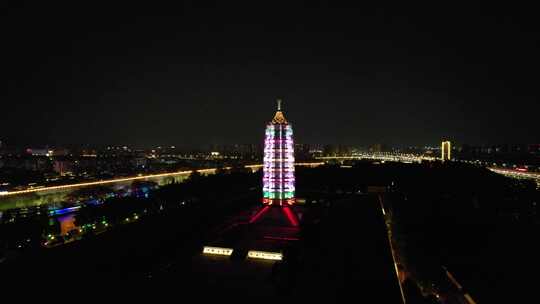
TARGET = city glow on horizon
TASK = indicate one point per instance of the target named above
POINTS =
(109, 181)
(142, 177)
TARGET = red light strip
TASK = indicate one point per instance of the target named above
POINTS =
(290, 216)
(281, 238)
(259, 214)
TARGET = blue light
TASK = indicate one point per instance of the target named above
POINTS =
(64, 210)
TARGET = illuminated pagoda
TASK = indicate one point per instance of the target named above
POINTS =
(277, 222)
(278, 174)
(278, 169)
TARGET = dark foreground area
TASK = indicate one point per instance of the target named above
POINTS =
(341, 252)
(478, 225)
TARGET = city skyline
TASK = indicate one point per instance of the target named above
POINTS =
(379, 75)
(153, 146)
(63, 148)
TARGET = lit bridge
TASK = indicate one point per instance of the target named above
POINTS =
(382, 156)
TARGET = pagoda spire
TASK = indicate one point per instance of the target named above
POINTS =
(279, 118)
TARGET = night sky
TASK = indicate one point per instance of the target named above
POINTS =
(194, 75)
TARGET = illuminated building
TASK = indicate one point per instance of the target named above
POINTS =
(40, 152)
(276, 222)
(67, 224)
(446, 151)
(278, 167)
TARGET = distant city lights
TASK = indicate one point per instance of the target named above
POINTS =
(141, 177)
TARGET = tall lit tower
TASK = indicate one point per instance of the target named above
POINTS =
(446, 151)
(278, 170)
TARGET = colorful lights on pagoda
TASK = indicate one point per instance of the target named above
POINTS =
(278, 167)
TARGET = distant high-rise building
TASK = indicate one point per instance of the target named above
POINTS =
(40, 152)
(378, 148)
(278, 170)
(301, 151)
(330, 150)
(446, 150)
(534, 148)
(63, 166)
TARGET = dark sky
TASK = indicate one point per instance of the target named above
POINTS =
(192, 75)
